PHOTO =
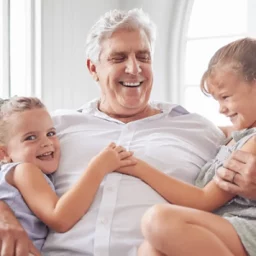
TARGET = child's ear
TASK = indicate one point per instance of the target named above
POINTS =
(3, 155)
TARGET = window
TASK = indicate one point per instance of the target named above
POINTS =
(212, 24)
(4, 50)
(19, 48)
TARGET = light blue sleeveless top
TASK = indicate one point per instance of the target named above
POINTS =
(35, 228)
(240, 212)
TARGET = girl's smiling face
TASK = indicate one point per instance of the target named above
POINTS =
(236, 97)
(32, 139)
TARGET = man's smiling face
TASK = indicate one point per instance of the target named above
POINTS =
(125, 72)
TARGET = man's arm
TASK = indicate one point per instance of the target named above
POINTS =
(13, 238)
(227, 130)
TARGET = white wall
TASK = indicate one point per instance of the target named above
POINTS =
(66, 82)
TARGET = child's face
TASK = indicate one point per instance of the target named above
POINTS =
(33, 139)
(236, 97)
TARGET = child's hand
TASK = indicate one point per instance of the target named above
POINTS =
(112, 158)
(133, 170)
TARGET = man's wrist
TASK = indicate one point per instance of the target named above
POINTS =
(7, 214)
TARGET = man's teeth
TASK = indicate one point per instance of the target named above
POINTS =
(131, 84)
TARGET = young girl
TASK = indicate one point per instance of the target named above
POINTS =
(30, 153)
(182, 230)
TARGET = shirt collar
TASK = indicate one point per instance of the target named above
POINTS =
(165, 107)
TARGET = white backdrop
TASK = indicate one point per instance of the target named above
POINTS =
(65, 80)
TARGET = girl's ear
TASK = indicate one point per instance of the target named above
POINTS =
(2, 152)
(4, 158)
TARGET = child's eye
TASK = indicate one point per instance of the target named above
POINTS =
(52, 133)
(31, 137)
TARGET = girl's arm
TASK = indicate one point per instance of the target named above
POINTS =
(62, 213)
(177, 192)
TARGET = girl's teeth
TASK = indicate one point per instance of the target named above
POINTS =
(46, 154)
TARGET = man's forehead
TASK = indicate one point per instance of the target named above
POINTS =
(121, 42)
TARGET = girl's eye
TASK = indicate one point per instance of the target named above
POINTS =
(50, 134)
(31, 137)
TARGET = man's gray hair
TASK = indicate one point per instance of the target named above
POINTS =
(114, 20)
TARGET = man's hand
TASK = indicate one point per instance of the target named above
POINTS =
(13, 239)
(238, 175)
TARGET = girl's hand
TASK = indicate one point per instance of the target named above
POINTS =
(112, 158)
(133, 170)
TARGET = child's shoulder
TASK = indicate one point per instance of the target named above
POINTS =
(23, 168)
(20, 172)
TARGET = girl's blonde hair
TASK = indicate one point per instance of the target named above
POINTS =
(238, 56)
(14, 105)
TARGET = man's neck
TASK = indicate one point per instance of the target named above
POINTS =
(126, 118)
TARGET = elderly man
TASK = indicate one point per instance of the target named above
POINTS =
(119, 57)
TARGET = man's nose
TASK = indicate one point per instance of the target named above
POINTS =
(133, 66)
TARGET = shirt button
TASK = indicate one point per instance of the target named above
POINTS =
(103, 221)
(110, 189)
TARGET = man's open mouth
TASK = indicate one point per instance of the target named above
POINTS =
(135, 84)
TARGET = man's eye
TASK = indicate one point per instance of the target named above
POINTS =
(50, 134)
(118, 59)
(225, 97)
(144, 58)
(31, 137)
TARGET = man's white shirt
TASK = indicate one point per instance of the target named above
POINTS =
(175, 141)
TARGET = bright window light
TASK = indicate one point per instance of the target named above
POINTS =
(212, 25)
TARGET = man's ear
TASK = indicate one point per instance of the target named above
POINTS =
(92, 69)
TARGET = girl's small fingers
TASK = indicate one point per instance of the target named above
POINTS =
(112, 145)
(120, 149)
(125, 154)
(128, 162)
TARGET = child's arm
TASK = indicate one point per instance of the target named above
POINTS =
(177, 192)
(62, 213)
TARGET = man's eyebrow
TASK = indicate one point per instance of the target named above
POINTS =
(125, 52)
(144, 51)
(117, 53)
